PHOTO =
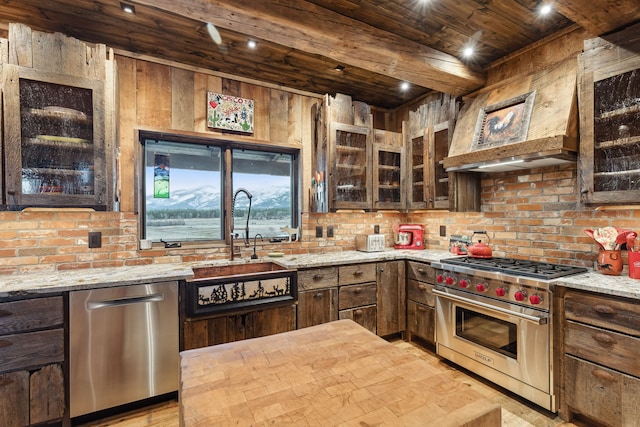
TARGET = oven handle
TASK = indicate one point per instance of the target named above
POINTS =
(533, 319)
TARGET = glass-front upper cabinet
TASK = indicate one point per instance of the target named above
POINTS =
(609, 80)
(388, 171)
(54, 139)
(350, 181)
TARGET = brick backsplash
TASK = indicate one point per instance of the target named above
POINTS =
(533, 214)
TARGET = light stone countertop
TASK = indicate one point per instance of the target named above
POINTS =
(63, 281)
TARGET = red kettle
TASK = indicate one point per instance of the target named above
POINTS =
(479, 249)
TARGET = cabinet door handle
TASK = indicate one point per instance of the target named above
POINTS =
(318, 295)
(604, 338)
(357, 312)
(603, 375)
(5, 343)
(357, 290)
(603, 309)
(421, 308)
(358, 273)
(318, 276)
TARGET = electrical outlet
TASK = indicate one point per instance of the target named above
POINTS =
(95, 239)
(443, 231)
(376, 229)
(330, 231)
(318, 231)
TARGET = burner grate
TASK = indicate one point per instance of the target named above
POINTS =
(517, 267)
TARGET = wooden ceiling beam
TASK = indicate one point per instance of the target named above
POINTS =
(600, 17)
(304, 26)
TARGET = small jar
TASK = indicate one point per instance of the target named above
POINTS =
(610, 262)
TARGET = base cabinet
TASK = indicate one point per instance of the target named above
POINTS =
(317, 296)
(601, 349)
(392, 298)
(199, 333)
(31, 358)
(420, 302)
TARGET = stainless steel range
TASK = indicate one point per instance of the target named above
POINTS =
(493, 317)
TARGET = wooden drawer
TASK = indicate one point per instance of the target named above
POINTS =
(359, 273)
(421, 271)
(421, 292)
(602, 394)
(356, 295)
(421, 321)
(31, 349)
(619, 314)
(364, 316)
(30, 314)
(614, 350)
(318, 278)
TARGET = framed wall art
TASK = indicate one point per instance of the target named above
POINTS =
(504, 123)
(229, 113)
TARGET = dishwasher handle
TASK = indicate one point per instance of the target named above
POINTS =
(93, 305)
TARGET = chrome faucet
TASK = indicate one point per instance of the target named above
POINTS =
(247, 242)
(255, 256)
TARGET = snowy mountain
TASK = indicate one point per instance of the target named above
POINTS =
(208, 198)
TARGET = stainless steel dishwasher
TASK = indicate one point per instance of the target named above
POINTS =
(123, 345)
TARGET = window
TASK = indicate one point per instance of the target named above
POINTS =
(184, 187)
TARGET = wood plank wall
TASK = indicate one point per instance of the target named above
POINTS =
(169, 98)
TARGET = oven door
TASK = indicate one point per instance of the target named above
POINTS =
(512, 341)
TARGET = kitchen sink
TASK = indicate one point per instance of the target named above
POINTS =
(235, 270)
(239, 287)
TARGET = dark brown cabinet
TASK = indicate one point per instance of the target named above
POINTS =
(609, 85)
(388, 171)
(31, 359)
(201, 332)
(421, 301)
(392, 297)
(601, 349)
(357, 294)
(317, 296)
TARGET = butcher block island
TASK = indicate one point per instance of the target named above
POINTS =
(336, 373)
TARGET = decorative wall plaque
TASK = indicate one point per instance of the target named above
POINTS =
(229, 113)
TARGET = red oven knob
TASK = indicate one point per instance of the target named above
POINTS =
(520, 296)
(501, 291)
(450, 280)
(439, 278)
(463, 283)
(535, 299)
(481, 287)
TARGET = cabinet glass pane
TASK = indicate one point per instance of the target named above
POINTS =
(388, 176)
(417, 169)
(351, 167)
(441, 150)
(57, 138)
(617, 133)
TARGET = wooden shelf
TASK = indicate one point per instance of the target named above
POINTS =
(76, 116)
(351, 149)
(632, 109)
(53, 143)
(618, 142)
(617, 173)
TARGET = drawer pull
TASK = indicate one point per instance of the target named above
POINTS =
(603, 309)
(318, 276)
(358, 273)
(603, 375)
(423, 288)
(357, 290)
(422, 271)
(5, 313)
(421, 308)
(357, 312)
(5, 343)
(604, 338)
(318, 295)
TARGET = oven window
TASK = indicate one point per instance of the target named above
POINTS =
(487, 331)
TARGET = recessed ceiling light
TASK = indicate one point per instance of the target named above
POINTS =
(468, 52)
(545, 9)
(128, 8)
(252, 44)
(404, 86)
(339, 68)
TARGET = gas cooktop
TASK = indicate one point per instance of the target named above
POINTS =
(516, 267)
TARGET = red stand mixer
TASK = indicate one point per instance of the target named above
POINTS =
(410, 236)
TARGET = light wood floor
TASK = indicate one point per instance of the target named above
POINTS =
(516, 412)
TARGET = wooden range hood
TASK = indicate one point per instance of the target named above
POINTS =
(552, 134)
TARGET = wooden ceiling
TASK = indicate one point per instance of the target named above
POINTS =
(378, 43)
